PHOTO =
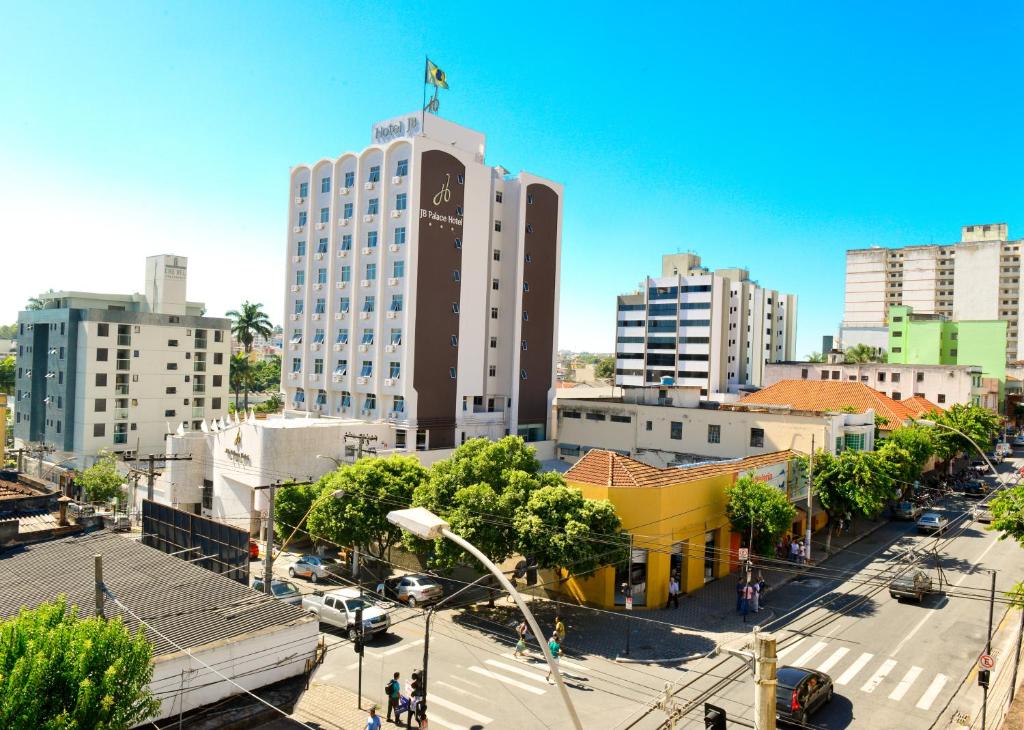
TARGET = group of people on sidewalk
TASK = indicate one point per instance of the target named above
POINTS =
(750, 595)
(792, 550)
(409, 702)
(554, 643)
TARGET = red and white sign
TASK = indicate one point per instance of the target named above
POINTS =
(629, 603)
(744, 554)
(986, 662)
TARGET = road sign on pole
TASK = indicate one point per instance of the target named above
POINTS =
(985, 661)
(629, 603)
(744, 555)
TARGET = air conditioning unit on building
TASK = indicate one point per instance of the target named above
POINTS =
(343, 221)
(296, 287)
(295, 317)
(368, 218)
(318, 256)
(318, 286)
(296, 259)
(396, 415)
(389, 348)
(341, 285)
(364, 315)
(362, 381)
(368, 186)
(315, 347)
(396, 214)
(342, 253)
(392, 281)
(299, 200)
(337, 378)
(320, 226)
(365, 283)
(397, 180)
(367, 250)
(317, 315)
(389, 382)
(297, 229)
(343, 191)
(392, 315)
(364, 348)
(394, 248)
(293, 376)
(338, 346)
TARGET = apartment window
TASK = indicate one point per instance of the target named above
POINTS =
(400, 201)
(952, 353)
(402, 168)
(300, 248)
(170, 390)
(494, 342)
(321, 276)
(803, 373)
(595, 417)
(366, 370)
(367, 337)
(346, 399)
(396, 302)
(343, 336)
(492, 370)
(941, 398)
(400, 235)
(370, 304)
(494, 312)
(325, 215)
(454, 340)
(394, 369)
(649, 426)
(320, 307)
(304, 190)
(172, 366)
(897, 333)
(497, 226)
(676, 430)
(372, 205)
(881, 377)
(169, 413)
(296, 364)
(341, 368)
(101, 380)
(398, 269)
(318, 336)
(325, 185)
(371, 239)
(571, 414)
(99, 429)
(217, 380)
(103, 329)
(350, 179)
(218, 358)
(453, 373)
(344, 305)
(854, 441)
(497, 254)
(346, 273)
(101, 354)
(835, 373)
(714, 433)
(300, 277)
(895, 378)
(896, 395)
(318, 366)
(321, 246)
(374, 174)
(757, 437)
(920, 377)
(370, 402)
(396, 336)
(100, 405)
(620, 419)
(371, 271)
(346, 242)
(347, 211)
(303, 218)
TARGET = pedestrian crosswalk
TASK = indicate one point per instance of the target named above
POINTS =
(865, 671)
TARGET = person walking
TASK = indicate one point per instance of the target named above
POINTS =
(559, 629)
(414, 691)
(801, 554)
(673, 592)
(748, 594)
(394, 691)
(373, 719)
(556, 649)
(739, 595)
(761, 585)
(794, 551)
(755, 597)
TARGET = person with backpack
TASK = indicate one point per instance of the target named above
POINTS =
(393, 690)
(555, 648)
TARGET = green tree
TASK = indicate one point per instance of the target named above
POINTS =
(861, 353)
(101, 482)
(291, 504)
(240, 376)
(766, 509)
(373, 487)
(267, 374)
(40, 302)
(561, 528)
(1008, 518)
(605, 368)
(270, 405)
(907, 450)
(248, 323)
(7, 375)
(857, 483)
(8, 331)
(980, 424)
(816, 357)
(62, 672)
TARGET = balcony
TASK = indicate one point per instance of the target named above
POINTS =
(120, 414)
(201, 343)
(120, 438)
(197, 411)
(124, 364)
(124, 340)
(199, 366)
(198, 387)
(121, 389)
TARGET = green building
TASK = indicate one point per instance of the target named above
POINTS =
(931, 339)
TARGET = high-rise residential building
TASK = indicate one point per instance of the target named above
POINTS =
(113, 372)
(692, 326)
(422, 288)
(977, 278)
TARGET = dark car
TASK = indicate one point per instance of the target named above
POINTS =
(973, 488)
(907, 511)
(800, 693)
(915, 585)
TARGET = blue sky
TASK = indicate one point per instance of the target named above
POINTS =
(768, 135)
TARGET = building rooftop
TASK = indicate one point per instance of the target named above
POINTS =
(611, 469)
(838, 395)
(876, 365)
(188, 604)
(15, 490)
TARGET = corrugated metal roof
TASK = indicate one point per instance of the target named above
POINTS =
(188, 604)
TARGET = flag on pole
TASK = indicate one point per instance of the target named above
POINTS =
(436, 76)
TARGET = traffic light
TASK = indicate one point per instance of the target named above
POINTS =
(983, 677)
(714, 717)
(358, 644)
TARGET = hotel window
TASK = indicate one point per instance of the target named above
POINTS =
(371, 239)
(529, 228)
(321, 397)
(398, 269)
(400, 201)
(714, 433)
(300, 277)
(454, 339)
(757, 437)
(347, 211)
(528, 258)
(456, 276)
(304, 190)
(346, 242)
(399, 404)
(302, 218)
(321, 246)
(497, 226)
(300, 248)
(492, 370)
(325, 215)
(321, 276)
(494, 312)
(455, 307)
(396, 336)
(458, 243)
(343, 336)
(344, 305)
(346, 399)
(341, 368)
(497, 196)
(325, 185)
(394, 369)
(497, 254)
(320, 307)
(372, 205)
(374, 174)
(371, 272)
(396, 302)
(453, 373)
(370, 304)
(370, 403)
(296, 337)
(318, 336)
(402, 168)
(494, 342)
(366, 370)
(300, 396)
(318, 366)
(522, 374)
(526, 316)
(350, 179)
(346, 273)
(526, 286)
(367, 337)
(525, 345)
(458, 210)
(400, 235)
(296, 364)
(529, 200)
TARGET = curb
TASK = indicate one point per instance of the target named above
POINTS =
(717, 649)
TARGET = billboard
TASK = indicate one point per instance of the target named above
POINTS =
(207, 543)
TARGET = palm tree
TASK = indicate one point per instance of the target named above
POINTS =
(240, 376)
(860, 353)
(249, 323)
(816, 357)
(40, 302)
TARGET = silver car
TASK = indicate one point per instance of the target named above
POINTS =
(931, 522)
(314, 567)
(283, 590)
(413, 589)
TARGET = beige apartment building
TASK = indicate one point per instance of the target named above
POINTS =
(673, 426)
(976, 278)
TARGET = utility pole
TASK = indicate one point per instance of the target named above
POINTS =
(43, 449)
(150, 473)
(765, 681)
(98, 561)
(268, 557)
(629, 589)
(21, 458)
(422, 705)
(1016, 658)
(361, 439)
(810, 506)
(988, 647)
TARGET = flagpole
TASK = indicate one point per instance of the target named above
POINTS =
(423, 109)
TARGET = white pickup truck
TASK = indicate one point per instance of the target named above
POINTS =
(338, 608)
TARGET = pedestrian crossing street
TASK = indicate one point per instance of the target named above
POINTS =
(867, 673)
(454, 696)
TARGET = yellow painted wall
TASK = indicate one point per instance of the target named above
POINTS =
(659, 517)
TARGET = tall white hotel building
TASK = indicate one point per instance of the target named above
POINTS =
(422, 288)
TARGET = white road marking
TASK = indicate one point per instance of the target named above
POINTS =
(791, 647)
(802, 660)
(931, 611)
(532, 657)
(877, 677)
(854, 668)
(506, 680)
(517, 670)
(463, 679)
(834, 659)
(460, 690)
(932, 692)
(908, 679)
(441, 722)
(433, 699)
(402, 647)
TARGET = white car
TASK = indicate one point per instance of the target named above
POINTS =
(338, 608)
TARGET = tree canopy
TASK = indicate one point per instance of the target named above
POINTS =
(101, 482)
(980, 424)
(249, 322)
(753, 503)
(7, 375)
(62, 672)
(904, 453)
(858, 483)
(605, 368)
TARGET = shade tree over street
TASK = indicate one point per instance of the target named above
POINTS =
(759, 509)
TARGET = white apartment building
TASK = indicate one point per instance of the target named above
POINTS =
(422, 288)
(977, 278)
(712, 329)
(943, 385)
(117, 372)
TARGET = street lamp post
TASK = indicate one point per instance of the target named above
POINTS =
(936, 424)
(425, 524)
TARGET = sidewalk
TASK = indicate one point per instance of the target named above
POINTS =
(704, 620)
(329, 706)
